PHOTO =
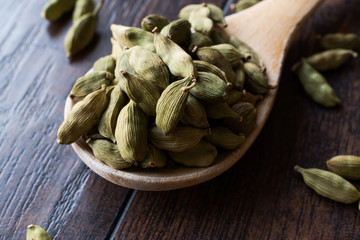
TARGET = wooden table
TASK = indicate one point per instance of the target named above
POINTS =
(260, 197)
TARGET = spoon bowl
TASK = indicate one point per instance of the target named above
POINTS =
(268, 28)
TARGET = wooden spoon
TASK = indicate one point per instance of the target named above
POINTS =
(269, 28)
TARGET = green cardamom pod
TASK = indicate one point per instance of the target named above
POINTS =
(83, 116)
(200, 21)
(316, 86)
(240, 76)
(251, 98)
(220, 110)
(35, 232)
(188, 9)
(194, 114)
(243, 4)
(108, 153)
(171, 104)
(201, 155)
(123, 64)
(222, 137)
(148, 66)
(81, 32)
(216, 14)
(90, 83)
(232, 54)
(82, 7)
(180, 139)
(218, 35)
(178, 61)
(328, 60)
(214, 57)
(256, 80)
(153, 20)
(248, 113)
(131, 133)
(340, 40)
(329, 185)
(154, 158)
(210, 88)
(203, 66)
(54, 9)
(347, 166)
(107, 123)
(178, 31)
(245, 48)
(234, 96)
(106, 63)
(132, 36)
(198, 40)
(116, 49)
(144, 93)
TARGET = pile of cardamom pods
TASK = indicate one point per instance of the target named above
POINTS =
(339, 48)
(176, 90)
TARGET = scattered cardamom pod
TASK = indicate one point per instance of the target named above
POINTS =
(54, 9)
(82, 7)
(340, 40)
(347, 166)
(35, 232)
(224, 138)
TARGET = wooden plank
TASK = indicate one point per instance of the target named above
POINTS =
(262, 197)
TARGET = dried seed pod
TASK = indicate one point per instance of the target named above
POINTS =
(340, 40)
(216, 14)
(234, 96)
(194, 114)
(221, 110)
(218, 35)
(90, 82)
(203, 66)
(316, 86)
(178, 61)
(82, 32)
(106, 63)
(248, 113)
(108, 153)
(144, 93)
(180, 139)
(54, 9)
(132, 36)
(222, 137)
(153, 20)
(148, 66)
(245, 48)
(256, 80)
(131, 133)
(107, 123)
(154, 158)
(240, 76)
(123, 64)
(178, 31)
(244, 4)
(83, 116)
(35, 232)
(347, 166)
(328, 60)
(188, 9)
(232, 54)
(82, 7)
(201, 155)
(116, 50)
(198, 40)
(200, 21)
(214, 57)
(210, 88)
(171, 104)
(251, 98)
(330, 185)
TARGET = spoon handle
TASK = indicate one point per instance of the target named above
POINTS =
(269, 28)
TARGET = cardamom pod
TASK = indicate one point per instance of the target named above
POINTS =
(148, 66)
(200, 21)
(123, 64)
(54, 9)
(201, 155)
(90, 82)
(153, 20)
(347, 166)
(220, 110)
(107, 123)
(214, 57)
(144, 93)
(180, 139)
(81, 32)
(240, 76)
(108, 153)
(256, 80)
(234, 96)
(245, 48)
(328, 60)
(218, 35)
(316, 86)
(82, 7)
(35, 232)
(106, 63)
(222, 137)
(188, 9)
(248, 113)
(83, 116)
(250, 98)
(178, 61)
(232, 54)
(131, 133)
(154, 158)
(198, 40)
(340, 40)
(330, 185)
(171, 104)
(210, 88)
(244, 4)
(216, 13)
(203, 66)
(178, 31)
(194, 114)
(116, 50)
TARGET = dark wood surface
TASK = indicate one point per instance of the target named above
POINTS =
(260, 197)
